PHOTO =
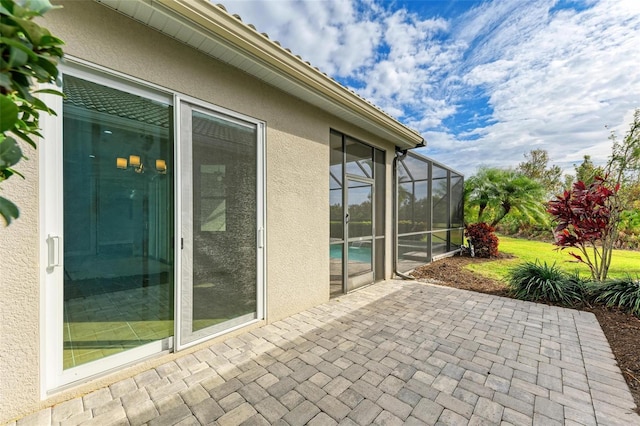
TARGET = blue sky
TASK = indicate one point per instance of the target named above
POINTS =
(484, 81)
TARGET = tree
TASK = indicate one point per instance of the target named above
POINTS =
(497, 193)
(624, 162)
(537, 167)
(585, 221)
(589, 215)
(586, 172)
(29, 54)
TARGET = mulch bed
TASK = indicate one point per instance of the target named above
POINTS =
(621, 329)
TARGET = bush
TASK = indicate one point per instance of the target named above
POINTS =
(483, 238)
(543, 283)
(622, 292)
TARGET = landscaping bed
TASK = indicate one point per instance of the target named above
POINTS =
(621, 329)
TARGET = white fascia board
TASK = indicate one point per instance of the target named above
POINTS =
(251, 51)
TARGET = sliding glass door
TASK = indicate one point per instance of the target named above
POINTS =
(118, 221)
(220, 228)
(143, 253)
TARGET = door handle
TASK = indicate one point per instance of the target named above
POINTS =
(346, 218)
(53, 251)
(260, 237)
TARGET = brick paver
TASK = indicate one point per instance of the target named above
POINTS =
(392, 353)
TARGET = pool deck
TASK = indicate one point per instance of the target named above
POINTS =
(397, 352)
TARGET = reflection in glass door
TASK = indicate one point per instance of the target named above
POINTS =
(118, 222)
(359, 220)
(220, 224)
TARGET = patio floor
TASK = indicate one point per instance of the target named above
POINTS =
(393, 353)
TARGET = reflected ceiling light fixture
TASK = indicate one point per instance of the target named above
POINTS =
(136, 163)
(161, 166)
(121, 163)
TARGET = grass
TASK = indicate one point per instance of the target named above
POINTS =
(624, 263)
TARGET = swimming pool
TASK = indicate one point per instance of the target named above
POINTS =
(357, 253)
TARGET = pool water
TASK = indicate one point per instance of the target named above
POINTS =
(356, 254)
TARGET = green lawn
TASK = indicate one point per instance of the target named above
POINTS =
(623, 263)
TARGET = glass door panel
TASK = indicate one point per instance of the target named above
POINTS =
(359, 218)
(336, 210)
(220, 214)
(118, 222)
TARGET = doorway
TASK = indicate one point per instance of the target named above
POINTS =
(220, 224)
(357, 206)
(153, 223)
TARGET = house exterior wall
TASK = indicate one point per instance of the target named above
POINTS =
(297, 196)
(20, 289)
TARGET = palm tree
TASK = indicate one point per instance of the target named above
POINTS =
(498, 192)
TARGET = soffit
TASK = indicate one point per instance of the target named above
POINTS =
(215, 32)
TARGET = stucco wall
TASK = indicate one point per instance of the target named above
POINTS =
(297, 159)
(20, 290)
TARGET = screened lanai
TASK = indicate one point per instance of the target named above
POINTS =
(429, 211)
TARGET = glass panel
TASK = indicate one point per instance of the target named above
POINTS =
(359, 158)
(456, 239)
(421, 207)
(360, 209)
(118, 221)
(417, 167)
(457, 196)
(440, 188)
(336, 270)
(381, 201)
(439, 242)
(439, 172)
(336, 208)
(403, 173)
(413, 251)
(360, 257)
(224, 223)
(413, 210)
(405, 208)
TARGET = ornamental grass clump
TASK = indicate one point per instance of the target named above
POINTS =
(537, 282)
(623, 293)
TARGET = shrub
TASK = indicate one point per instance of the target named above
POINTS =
(541, 282)
(483, 238)
(28, 54)
(622, 292)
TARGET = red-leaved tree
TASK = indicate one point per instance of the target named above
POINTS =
(586, 218)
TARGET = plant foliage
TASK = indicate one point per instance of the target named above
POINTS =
(538, 282)
(623, 293)
(29, 54)
(483, 238)
(584, 221)
(497, 193)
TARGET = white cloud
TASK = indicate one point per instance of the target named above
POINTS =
(336, 36)
(553, 77)
(557, 86)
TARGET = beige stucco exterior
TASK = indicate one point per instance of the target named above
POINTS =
(20, 304)
(297, 196)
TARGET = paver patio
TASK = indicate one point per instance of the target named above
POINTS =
(393, 353)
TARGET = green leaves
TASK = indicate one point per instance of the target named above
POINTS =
(623, 293)
(10, 153)
(28, 54)
(546, 283)
(9, 116)
(8, 210)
